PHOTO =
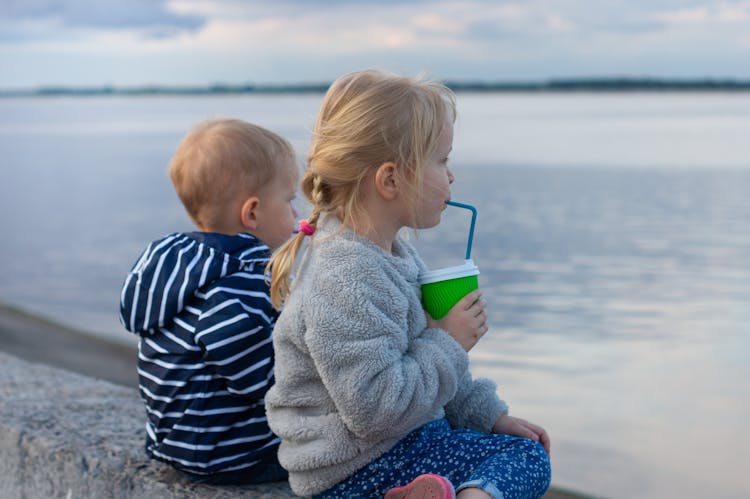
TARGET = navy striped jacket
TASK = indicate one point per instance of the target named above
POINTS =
(201, 306)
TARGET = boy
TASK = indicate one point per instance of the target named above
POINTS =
(200, 303)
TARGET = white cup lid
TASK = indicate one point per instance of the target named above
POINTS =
(466, 269)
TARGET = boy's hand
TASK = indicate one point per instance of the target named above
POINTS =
(466, 322)
(508, 425)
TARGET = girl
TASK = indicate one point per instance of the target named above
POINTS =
(371, 393)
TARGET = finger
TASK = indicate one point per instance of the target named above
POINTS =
(479, 303)
(476, 320)
(545, 441)
(470, 300)
(482, 329)
(527, 433)
(481, 318)
(480, 313)
(541, 433)
(531, 426)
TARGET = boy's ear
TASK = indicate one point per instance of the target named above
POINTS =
(387, 180)
(248, 213)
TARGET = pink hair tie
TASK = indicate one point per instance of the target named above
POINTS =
(306, 228)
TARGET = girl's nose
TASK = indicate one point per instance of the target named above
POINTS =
(451, 178)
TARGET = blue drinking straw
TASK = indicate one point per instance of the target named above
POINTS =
(473, 222)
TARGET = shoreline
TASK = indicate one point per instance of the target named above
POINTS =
(43, 341)
(38, 340)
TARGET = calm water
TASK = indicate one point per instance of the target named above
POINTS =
(613, 239)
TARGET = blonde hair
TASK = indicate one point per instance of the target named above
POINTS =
(367, 118)
(220, 159)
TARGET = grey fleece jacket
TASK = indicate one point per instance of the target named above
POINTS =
(357, 368)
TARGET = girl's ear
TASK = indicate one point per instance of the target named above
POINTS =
(387, 181)
(248, 213)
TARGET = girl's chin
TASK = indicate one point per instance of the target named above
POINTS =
(428, 224)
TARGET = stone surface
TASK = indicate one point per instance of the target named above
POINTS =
(70, 436)
(78, 435)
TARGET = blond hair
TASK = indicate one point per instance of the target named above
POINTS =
(367, 118)
(220, 159)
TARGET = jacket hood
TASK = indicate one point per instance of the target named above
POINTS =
(173, 269)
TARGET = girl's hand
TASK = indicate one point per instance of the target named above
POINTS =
(508, 425)
(466, 322)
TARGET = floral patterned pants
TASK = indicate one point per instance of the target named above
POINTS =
(504, 466)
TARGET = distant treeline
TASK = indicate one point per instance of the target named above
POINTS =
(604, 84)
(558, 85)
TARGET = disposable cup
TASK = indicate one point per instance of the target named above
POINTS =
(443, 288)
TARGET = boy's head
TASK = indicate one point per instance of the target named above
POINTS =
(233, 176)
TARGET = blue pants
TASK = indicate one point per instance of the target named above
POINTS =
(505, 467)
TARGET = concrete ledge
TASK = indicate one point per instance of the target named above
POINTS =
(70, 436)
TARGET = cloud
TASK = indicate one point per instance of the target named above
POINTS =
(204, 41)
(719, 13)
(150, 17)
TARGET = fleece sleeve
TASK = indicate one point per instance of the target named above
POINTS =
(476, 405)
(382, 384)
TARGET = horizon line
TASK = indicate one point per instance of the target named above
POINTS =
(548, 85)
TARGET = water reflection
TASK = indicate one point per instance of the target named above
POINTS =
(620, 310)
(618, 293)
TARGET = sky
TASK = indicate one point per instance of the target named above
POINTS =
(128, 43)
